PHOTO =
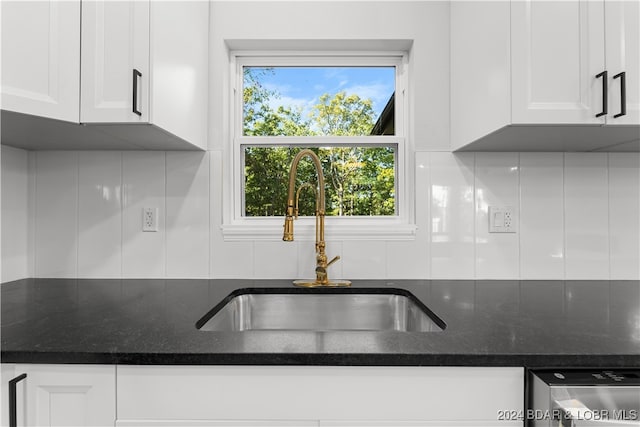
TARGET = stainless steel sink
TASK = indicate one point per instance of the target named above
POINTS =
(370, 309)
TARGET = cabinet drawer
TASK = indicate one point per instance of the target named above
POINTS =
(317, 392)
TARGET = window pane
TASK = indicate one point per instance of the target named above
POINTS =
(324, 101)
(359, 181)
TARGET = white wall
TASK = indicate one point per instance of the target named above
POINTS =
(579, 214)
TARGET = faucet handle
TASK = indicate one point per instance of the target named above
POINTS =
(335, 258)
(321, 272)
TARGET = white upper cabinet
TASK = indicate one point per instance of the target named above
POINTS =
(537, 75)
(146, 62)
(557, 49)
(41, 58)
(115, 62)
(135, 71)
(623, 56)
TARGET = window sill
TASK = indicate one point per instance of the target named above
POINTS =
(270, 229)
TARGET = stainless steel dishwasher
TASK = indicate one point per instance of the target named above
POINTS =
(576, 398)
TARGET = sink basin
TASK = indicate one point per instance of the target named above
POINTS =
(365, 309)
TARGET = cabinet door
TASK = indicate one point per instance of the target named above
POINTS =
(68, 395)
(115, 42)
(41, 58)
(557, 50)
(7, 373)
(623, 55)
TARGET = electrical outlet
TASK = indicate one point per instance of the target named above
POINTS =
(149, 219)
(502, 219)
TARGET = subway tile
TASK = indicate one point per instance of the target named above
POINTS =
(410, 259)
(187, 217)
(100, 214)
(143, 182)
(624, 215)
(229, 259)
(56, 216)
(496, 184)
(31, 214)
(306, 258)
(452, 216)
(586, 216)
(15, 214)
(363, 259)
(407, 259)
(275, 260)
(232, 260)
(541, 216)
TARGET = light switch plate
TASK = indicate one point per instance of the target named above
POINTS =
(502, 219)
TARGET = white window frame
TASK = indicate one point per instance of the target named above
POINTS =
(236, 226)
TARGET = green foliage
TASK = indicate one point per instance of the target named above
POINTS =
(358, 180)
(343, 115)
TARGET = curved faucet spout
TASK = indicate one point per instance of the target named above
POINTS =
(292, 213)
(294, 171)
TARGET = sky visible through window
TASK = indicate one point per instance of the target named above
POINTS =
(302, 86)
(317, 102)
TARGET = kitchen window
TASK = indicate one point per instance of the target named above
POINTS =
(348, 108)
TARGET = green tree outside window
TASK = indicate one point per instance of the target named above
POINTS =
(360, 181)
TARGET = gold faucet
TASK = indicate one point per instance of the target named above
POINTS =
(292, 213)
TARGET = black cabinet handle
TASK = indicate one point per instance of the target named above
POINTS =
(136, 74)
(623, 94)
(604, 93)
(13, 410)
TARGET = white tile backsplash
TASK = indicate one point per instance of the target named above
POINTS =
(143, 177)
(578, 214)
(452, 225)
(363, 259)
(17, 220)
(56, 214)
(232, 260)
(87, 214)
(275, 259)
(409, 259)
(496, 184)
(624, 216)
(541, 216)
(187, 217)
(99, 214)
(586, 219)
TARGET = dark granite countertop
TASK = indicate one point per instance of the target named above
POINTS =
(489, 323)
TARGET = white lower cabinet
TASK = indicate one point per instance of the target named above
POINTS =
(262, 396)
(61, 395)
(317, 396)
